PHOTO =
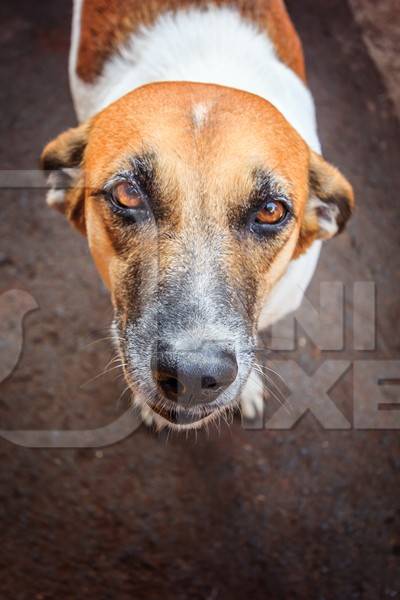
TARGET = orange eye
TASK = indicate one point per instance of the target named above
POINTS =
(126, 195)
(271, 213)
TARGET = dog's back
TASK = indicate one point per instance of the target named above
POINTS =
(105, 26)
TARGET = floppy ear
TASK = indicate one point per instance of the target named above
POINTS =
(330, 203)
(62, 159)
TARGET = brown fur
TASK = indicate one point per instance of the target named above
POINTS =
(329, 185)
(203, 174)
(106, 25)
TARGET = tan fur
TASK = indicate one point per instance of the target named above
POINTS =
(204, 173)
(106, 25)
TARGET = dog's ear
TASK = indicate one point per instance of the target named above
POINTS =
(330, 203)
(62, 159)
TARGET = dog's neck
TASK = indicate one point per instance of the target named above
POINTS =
(214, 46)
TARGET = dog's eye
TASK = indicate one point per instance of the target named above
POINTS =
(126, 195)
(272, 213)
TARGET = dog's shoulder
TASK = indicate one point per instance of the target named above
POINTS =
(105, 25)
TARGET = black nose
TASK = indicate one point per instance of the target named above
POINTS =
(194, 377)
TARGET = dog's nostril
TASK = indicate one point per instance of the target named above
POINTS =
(208, 383)
(170, 385)
(194, 377)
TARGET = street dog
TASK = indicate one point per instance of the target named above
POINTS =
(196, 175)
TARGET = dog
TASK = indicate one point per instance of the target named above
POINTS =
(196, 175)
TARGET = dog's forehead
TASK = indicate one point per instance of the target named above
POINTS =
(220, 133)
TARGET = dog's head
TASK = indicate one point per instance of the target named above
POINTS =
(194, 199)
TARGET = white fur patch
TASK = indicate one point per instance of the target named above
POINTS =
(288, 293)
(59, 182)
(327, 214)
(55, 198)
(200, 114)
(252, 397)
(80, 91)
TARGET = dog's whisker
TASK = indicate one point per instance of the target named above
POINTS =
(103, 373)
(104, 339)
(121, 397)
(278, 396)
(271, 371)
(261, 370)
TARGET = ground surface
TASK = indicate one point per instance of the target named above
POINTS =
(306, 513)
(381, 32)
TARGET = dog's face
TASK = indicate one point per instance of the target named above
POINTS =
(194, 198)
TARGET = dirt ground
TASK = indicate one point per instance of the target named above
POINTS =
(381, 32)
(301, 514)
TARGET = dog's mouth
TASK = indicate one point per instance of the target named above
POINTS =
(183, 417)
(173, 414)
